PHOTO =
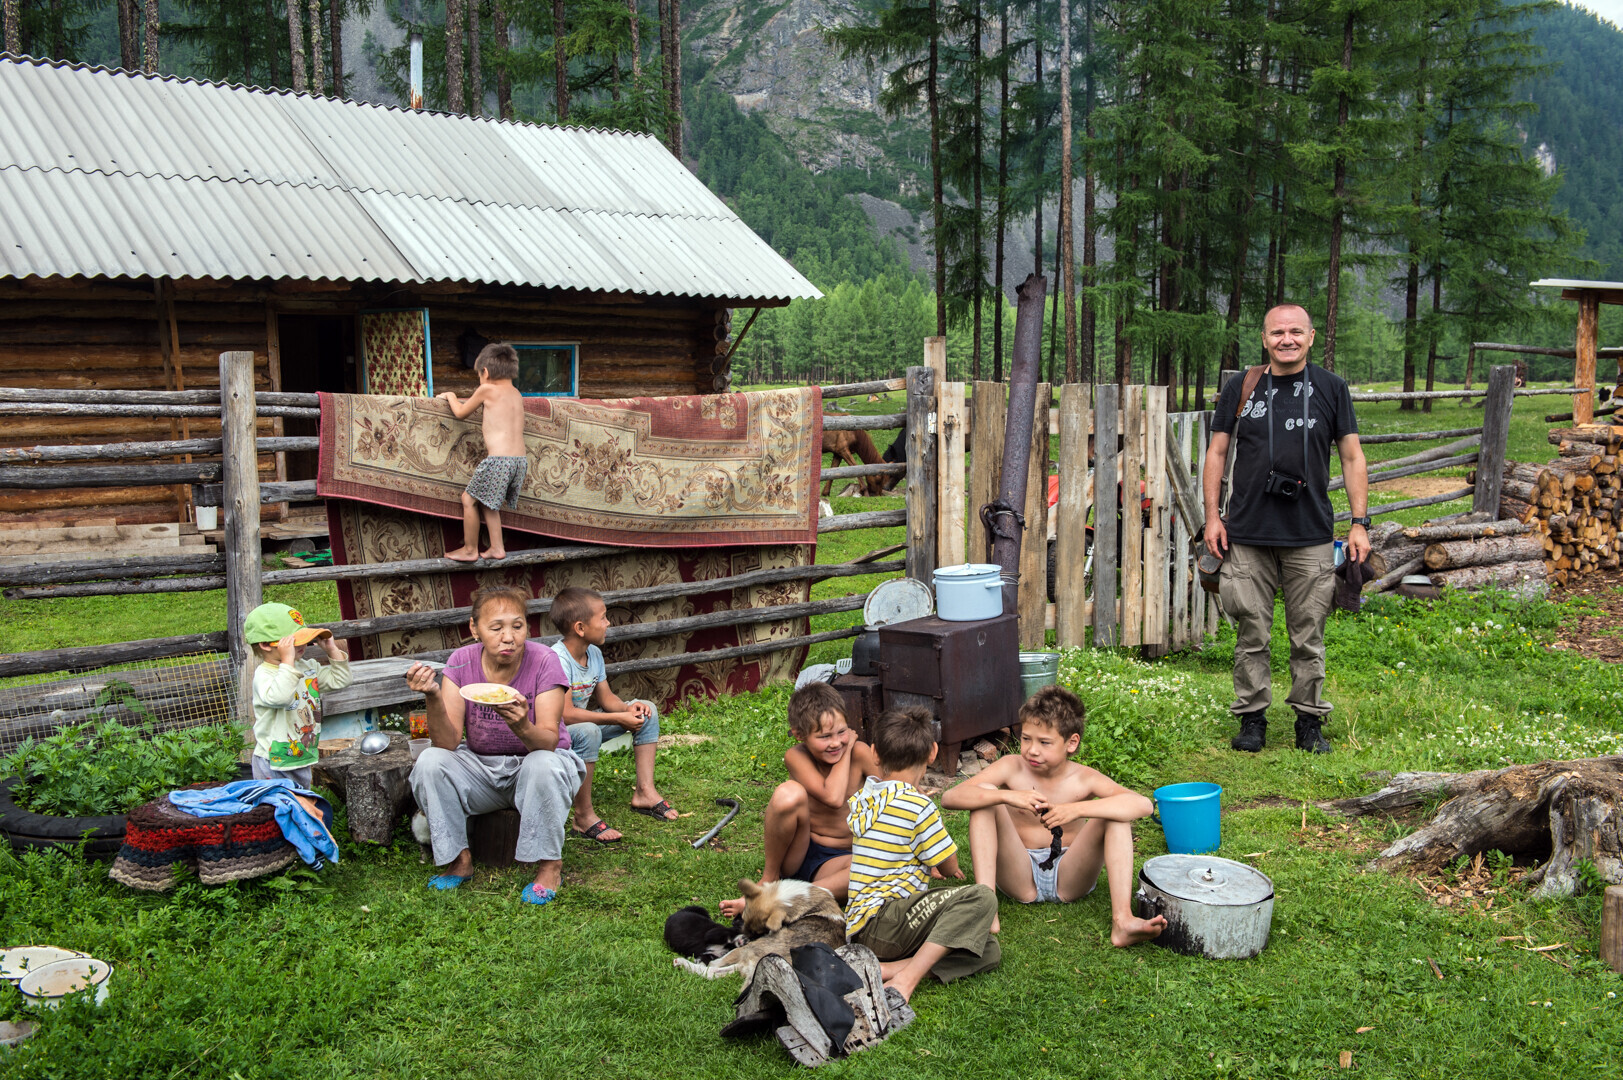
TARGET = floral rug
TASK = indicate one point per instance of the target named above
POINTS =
(677, 472)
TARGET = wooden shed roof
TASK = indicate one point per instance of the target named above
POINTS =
(113, 174)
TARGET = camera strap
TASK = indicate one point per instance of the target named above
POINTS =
(1307, 388)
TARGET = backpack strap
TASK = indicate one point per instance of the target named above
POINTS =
(1253, 375)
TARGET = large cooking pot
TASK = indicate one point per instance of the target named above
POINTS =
(1214, 907)
(969, 592)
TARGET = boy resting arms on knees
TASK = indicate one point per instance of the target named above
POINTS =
(807, 838)
(1017, 802)
(499, 478)
(898, 845)
(594, 712)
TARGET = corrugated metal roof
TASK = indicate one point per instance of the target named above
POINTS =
(108, 173)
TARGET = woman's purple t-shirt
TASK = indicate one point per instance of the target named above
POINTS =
(487, 732)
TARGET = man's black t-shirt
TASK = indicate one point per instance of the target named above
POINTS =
(1254, 516)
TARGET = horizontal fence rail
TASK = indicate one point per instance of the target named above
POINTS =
(134, 450)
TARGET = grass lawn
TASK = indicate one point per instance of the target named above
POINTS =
(361, 971)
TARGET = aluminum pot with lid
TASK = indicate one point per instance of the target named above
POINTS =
(1214, 907)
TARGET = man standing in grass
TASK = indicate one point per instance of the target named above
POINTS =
(1277, 530)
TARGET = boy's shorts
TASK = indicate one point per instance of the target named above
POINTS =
(1047, 881)
(497, 482)
(816, 855)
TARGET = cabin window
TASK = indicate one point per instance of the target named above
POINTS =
(547, 368)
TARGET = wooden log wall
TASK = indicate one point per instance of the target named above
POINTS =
(79, 335)
(148, 335)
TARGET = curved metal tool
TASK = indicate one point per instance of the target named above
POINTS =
(711, 835)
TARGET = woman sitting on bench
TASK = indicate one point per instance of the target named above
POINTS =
(516, 755)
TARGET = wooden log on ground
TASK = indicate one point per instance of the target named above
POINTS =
(1395, 575)
(1610, 951)
(1487, 551)
(1434, 533)
(1569, 808)
(1527, 578)
(376, 788)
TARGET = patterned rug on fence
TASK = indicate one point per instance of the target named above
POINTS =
(722, 469)
(371, 534)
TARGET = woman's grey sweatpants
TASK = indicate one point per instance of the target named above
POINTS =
(453, 785)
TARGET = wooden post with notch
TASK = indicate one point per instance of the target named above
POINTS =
(1155, 534)
(1583, 372)
(950, 461)
(922, 518)
(1490, 469)
(990, 408)
(1034, 548)
(244, 589)
(1071, 521)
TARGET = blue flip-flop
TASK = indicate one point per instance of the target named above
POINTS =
(538, 897)
(446, 882)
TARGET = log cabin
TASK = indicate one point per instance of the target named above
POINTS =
(150, 223)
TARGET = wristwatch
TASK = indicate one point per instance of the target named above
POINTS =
(1364, 521)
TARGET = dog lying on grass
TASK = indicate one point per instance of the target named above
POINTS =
(691, 932)
(778, 916)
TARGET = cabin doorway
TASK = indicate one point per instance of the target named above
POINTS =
(318, 354)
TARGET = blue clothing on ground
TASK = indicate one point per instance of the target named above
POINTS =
(307, 832)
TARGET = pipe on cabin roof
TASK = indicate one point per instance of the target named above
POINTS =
(416, 70)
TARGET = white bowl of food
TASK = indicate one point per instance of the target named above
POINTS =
(46, 986)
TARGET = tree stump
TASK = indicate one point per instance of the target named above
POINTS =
(1562, 811)
(493, 838)
(375, 789)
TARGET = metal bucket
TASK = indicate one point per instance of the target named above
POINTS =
(1037, 670)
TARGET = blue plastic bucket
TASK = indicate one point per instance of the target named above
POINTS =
(1189, 817)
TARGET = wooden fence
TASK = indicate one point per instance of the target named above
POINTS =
(233, 482)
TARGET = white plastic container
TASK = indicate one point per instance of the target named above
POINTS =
(46, 986)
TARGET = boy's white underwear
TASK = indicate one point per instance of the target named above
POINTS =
(1047, 881)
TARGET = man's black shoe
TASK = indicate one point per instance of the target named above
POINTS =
(1253, 732)
(1308, 735)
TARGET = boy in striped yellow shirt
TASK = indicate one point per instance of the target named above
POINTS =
(898, 844)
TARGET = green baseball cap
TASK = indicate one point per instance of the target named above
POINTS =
(273, 622)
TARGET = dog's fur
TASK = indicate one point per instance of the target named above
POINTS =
(778, 916)
(692, 933)
(419, 829)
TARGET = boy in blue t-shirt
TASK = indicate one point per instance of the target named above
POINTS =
(595, 712)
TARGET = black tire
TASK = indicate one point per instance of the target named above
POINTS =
(26, 830)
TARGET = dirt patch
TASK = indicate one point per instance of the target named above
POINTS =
(684, 738)
(1419, 487)
(1595, 630)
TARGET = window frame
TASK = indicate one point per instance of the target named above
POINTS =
(574, 364)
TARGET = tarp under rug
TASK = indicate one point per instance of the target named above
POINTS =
(669, 472)
(370, 534)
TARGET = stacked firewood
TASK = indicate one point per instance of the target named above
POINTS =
(1463, 552)
(1575, 501)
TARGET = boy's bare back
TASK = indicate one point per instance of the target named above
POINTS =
(503, 423)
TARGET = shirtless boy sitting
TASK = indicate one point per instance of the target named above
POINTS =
(1020, 800)
(807, 838)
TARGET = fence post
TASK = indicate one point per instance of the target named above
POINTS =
(1033, 605)
(1070, 533)
(1490, 468)
(950, 461)
(921, 473)
(1132, 518)
(240, 498)
(990, 409)
(1106, 403)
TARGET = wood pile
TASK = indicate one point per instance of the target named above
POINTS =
(1466, 552)
(1576, 500)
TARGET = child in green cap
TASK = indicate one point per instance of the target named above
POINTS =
(287, 691)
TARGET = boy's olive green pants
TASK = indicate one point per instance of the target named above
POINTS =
(1250, 577)
(958, 918)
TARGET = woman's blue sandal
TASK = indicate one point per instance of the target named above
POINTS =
(537, 896)
(447, 881)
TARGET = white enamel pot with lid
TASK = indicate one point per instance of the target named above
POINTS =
(1217, 908)
(968, 592)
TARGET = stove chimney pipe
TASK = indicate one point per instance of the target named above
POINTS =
(1004, 519)
(416, 70)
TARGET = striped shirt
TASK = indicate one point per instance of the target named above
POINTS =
(896, 837)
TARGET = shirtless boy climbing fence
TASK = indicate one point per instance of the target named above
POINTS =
(499, 478)
(1018, 802)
